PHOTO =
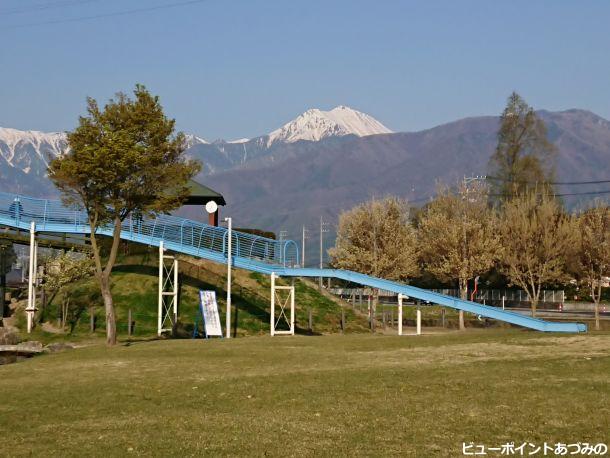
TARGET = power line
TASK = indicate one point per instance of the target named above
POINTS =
(565, 194)
(107, 15)
(559, 183)
(44, 6)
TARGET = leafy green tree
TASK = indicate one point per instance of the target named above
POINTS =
(524, 157)
(123, 159)
(458, 237)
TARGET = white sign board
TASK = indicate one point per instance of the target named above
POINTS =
(209, 309)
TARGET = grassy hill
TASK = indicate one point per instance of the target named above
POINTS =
(134, 287)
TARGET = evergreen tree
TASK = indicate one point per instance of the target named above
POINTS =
(123, 160)
(524, 157)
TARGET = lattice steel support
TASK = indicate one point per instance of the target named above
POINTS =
(168, 292)
(284, 303)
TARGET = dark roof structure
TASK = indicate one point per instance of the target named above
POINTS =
(201, 195)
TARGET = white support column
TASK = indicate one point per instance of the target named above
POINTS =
(31, 308)
(175, 291)
(418, 321)
(229, 260)
(292, 310)
(400, 297)
(272, 304)
(160, 298)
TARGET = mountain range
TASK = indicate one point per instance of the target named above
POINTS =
(323, 162)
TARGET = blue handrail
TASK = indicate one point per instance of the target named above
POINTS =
(53, 216)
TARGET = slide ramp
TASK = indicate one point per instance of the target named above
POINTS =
(250, 252)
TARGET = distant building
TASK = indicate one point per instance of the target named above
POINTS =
(201, 195)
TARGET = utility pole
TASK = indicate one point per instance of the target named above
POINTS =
(283, 235)
(466, 187)
(322, 231)
(303, 247)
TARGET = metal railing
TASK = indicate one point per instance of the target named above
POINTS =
(179, 234)
(489, 295)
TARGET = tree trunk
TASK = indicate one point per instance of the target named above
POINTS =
(464, 297)
(109, 308)
(534, 306)
(534, 300)
(597, 324)
(597, 297)
(103, 274)
(2, 293)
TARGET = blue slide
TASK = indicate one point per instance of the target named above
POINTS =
(251, 252)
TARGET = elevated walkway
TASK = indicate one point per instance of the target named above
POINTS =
(250, 252)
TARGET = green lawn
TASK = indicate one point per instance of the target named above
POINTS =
(356, 394)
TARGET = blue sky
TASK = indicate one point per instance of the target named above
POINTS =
(237, 68)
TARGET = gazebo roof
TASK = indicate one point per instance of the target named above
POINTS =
(201, 195)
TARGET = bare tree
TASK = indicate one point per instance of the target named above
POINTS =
(594, 251)
(376, 238)
(63, 270)
(538, 239)
(458, 237)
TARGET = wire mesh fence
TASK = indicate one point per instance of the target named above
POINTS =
(507, 297)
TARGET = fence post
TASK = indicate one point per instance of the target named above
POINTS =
(129, 322)
(383, 318)
(310, 321)
(342, 321)
(91, 320)
(443, 317)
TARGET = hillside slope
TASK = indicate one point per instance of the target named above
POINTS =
(134, 286)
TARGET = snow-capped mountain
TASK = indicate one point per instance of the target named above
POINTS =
(192, 140)
(315, 124)
(30, 151)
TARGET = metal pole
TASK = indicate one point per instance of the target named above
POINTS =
(303, 249)
(160, 301)
(272, 303)
(418, 321)
(503, 297)
(175, 292)
(400, 296)
(292, 310)
(229, 261)
(321, 251)
(30, 307)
